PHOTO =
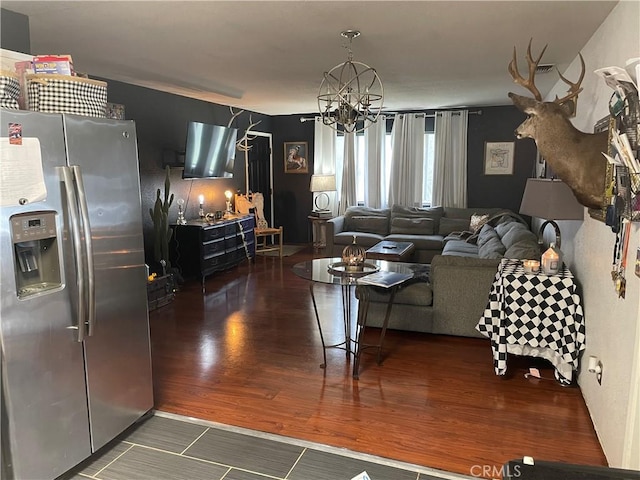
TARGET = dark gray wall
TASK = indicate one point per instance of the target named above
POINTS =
(14, 31)
(497, 124)
(161, 124)
(292, 200)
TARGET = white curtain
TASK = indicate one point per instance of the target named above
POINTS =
(348, 184)
(324, 157)
(407, 146)
(450, 165)
(375, 176)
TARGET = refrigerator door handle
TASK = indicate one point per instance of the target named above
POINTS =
(67, 178)
(88, 246)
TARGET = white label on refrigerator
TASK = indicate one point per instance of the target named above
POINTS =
(21, 175)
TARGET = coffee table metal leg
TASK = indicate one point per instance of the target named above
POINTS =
(346, 315)
(315, 308)
(363, 310)
(386, 322)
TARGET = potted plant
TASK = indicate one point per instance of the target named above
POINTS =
(162, 232)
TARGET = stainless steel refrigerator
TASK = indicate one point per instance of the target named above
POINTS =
(76, 355)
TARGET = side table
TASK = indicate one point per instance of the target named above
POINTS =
(318, 231)
(534, 314)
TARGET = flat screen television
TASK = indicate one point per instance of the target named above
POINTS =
(210, 151)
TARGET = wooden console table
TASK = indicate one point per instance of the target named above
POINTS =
(200, 248)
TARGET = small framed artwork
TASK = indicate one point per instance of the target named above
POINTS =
(295, 157)
(498, 158)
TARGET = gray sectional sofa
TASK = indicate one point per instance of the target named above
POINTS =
(463, 247)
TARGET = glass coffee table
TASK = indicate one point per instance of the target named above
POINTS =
(330, 271)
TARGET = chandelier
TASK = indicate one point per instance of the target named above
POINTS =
(350, 93)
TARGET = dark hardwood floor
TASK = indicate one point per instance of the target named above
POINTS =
(247, 353)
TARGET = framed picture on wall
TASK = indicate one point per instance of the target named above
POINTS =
(296, 159)
(498, 158)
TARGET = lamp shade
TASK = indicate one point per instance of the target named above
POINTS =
(322, 183)
(550, 199)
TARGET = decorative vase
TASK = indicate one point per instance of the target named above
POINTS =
(353, 257)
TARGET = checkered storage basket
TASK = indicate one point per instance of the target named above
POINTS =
(66, 94)
(9, 90)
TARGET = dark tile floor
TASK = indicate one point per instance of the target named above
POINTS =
(167, 447)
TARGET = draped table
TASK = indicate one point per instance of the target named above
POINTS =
(534, 314)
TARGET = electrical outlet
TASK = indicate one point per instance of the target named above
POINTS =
(599, 373)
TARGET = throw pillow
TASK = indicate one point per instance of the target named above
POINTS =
(449, 225)
(370, 224)
(477, 221)
(412, 226)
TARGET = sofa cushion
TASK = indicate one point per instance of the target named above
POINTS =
(518, 233)
(408, 212)
(487, 232)
(492, 248)
(523, 249)
(460, 248)
(369, 224)
(416, 226)
(419, 293)
(352, 212)
(450, 225)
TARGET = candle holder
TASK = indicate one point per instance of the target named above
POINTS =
(228, 194)
(181, 220)
(353, 256)
(201, 208)
(531, 266)
(552, 260)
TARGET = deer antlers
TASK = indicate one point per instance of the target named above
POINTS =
(529, 83)
(234, 116)
(243, 143)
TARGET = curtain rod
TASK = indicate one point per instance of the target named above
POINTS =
(393, 114)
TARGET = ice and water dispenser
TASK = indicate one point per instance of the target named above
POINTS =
(35, 250)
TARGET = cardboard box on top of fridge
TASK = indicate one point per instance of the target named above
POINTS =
(59, 64)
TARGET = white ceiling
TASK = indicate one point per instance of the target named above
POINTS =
(269, 56)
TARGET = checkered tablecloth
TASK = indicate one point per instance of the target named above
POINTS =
(534, 314)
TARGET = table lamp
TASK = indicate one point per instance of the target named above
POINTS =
(551, 200)
(320, 184)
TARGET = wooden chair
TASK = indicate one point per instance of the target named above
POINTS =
(262, 244)
(263, 231)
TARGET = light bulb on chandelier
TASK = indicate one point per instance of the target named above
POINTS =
(351, 93)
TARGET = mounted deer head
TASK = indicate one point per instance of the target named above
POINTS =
(576, 157)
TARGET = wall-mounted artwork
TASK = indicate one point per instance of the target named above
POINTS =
(498, 158)
(295, 157)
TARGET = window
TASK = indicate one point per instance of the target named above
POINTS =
(429, 154)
